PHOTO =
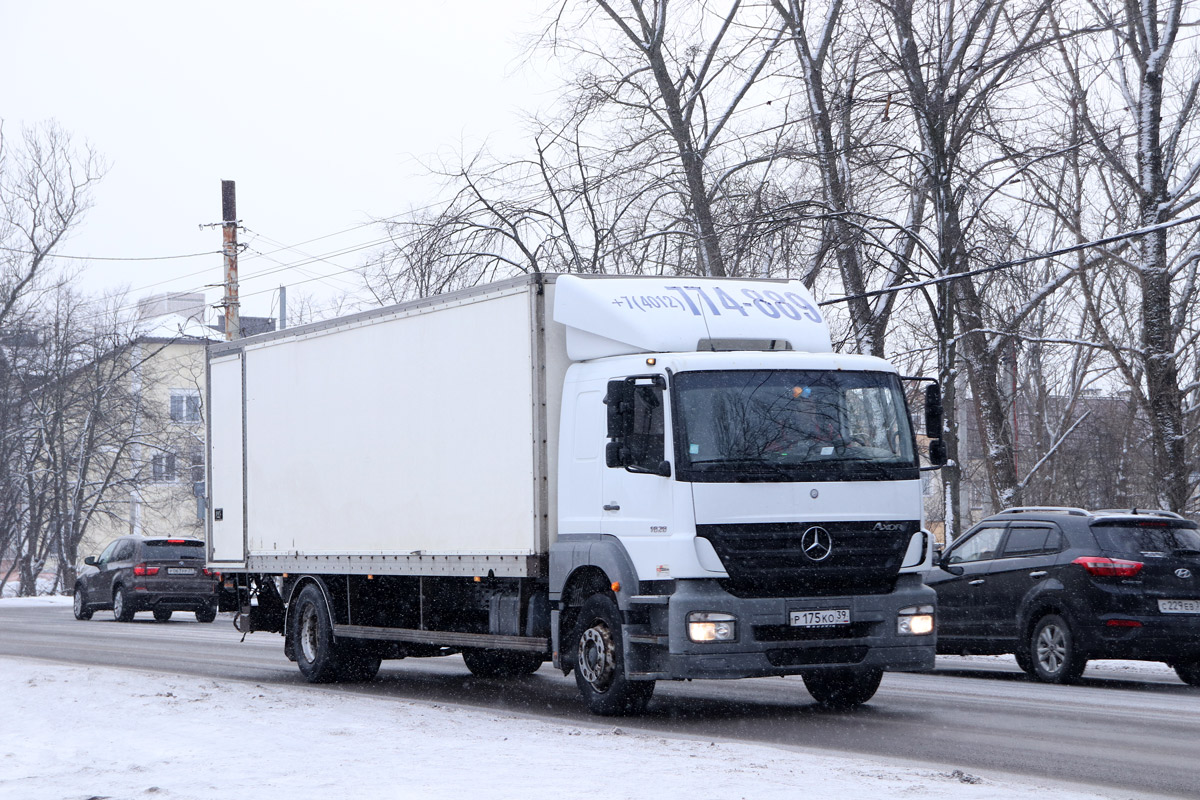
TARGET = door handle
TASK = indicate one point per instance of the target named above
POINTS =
(975, 582)
(1041, 573)
(612, 507)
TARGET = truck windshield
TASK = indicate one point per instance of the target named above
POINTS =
(809, 425)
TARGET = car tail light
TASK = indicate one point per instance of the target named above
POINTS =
(142, 569)
(1109, 567)
(1123, 623)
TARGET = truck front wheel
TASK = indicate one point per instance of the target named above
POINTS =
(600, 662)
(844, 687)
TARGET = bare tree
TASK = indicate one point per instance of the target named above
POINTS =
(1148, 167)
(45, 190)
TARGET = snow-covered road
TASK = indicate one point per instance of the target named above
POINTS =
(181, 710)
(101, 732)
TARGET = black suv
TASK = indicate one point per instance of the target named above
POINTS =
(1057, 586)
(148, 574)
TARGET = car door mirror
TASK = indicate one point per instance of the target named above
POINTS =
(944, 564)
(91, 561)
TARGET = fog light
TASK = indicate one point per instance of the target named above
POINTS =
(709, 626)
(914, 621)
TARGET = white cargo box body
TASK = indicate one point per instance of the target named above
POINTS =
(418, 439)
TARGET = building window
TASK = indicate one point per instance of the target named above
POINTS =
(162, 467)
(197, 457)
(185, 405)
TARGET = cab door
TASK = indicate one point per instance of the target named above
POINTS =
(637, 487)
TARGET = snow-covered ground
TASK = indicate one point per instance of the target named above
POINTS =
(90, 732)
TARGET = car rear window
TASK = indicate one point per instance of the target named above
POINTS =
(174, 550)
(1147, 538)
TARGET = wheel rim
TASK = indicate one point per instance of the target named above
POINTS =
(596, 657)
(308, 633)
(118, 604)
(78, 602)
(1052, 648)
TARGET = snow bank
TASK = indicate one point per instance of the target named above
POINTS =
(75, 732)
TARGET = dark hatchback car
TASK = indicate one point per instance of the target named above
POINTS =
(1059, 586)
(148, 574)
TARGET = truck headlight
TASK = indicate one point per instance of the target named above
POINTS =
(914, 620)
(709, 626)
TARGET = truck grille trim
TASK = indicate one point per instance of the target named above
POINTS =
(767, 559)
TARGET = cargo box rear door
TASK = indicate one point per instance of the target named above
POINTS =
(226, 462)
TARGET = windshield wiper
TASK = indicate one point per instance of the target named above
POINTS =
(849, 466)
(743, 463)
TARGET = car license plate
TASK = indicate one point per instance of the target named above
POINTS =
(180, 571)
(1179, 606)
(819, 617)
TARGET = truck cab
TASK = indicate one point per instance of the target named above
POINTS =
(754, 511)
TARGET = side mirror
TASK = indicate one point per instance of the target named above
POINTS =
(933, 411)
(946, 566)
(937, 452)
(90, 561)
(613, 457)
(619, 400)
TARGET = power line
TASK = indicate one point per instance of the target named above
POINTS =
(1015, 263)
(52, 254)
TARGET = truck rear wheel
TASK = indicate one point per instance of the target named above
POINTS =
(844, 687)
(357, 662)
(312, 636)
(600, 662)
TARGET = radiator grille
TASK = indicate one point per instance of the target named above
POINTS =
(767, 559)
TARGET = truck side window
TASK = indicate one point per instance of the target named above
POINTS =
(646, 444)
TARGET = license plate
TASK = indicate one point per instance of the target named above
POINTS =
(180, 571)
(819, 617)
(1179, 606)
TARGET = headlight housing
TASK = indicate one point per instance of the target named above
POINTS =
(711, 626)
(914, 621)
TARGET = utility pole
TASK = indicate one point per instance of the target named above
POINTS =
(229, 234)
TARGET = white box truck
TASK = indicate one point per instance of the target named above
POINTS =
(635, 478)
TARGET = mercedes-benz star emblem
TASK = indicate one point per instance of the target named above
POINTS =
(816, 543)
(1183, 573)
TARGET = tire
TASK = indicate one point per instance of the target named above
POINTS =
(311, 631)
(501, 663)
(205, 614)
(357, 662)
(79, 605)
(600, 662)
(1189, 673)
(844, 687)
(1054, 653)
(1024, 656)
(122, 609)
(162, 614)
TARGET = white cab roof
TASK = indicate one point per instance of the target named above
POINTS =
(622, 316)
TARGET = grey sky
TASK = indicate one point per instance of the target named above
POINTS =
(322, 112)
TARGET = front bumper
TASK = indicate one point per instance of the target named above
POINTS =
(657, 645)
